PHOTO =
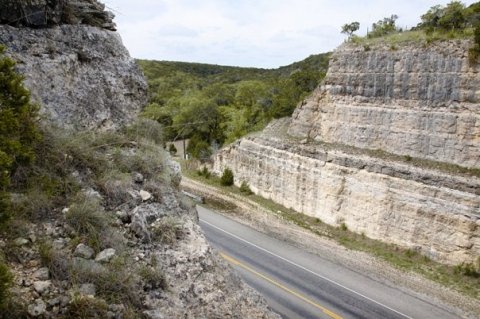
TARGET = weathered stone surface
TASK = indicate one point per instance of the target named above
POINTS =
(417, 101)
(87, 290)
(37, 308)
(42, 286)
(430, 211)
(83, 251)
(145, 195)
(42, 274)
(105, 255)
(45, 13)
(82, 76)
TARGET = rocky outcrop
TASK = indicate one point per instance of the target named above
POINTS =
(82, 76)
(389, 144)
(414, 101)
(45, 13)
(419, 209)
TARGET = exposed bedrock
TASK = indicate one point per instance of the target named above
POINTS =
(417, 101)
(391, 202)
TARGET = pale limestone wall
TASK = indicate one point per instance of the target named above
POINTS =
(421, 211)
(82, 76)
(414, 100)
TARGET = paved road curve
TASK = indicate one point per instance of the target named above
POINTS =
(297, 284)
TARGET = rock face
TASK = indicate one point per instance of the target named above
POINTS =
(365, 148)
(82, 76)
(415, 101)
(44, 13)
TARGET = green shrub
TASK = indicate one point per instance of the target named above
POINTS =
(227, 177)
(167, 230)
(204, 172)
(55, 261)
(18, 129)
(199, 148)
(87, 217)
(172, 149)
(153, 278)
(6, 280)
(114, 282)
(145, 129)
(244, 188)
(115, 185)
(467, 269)
(87, 307)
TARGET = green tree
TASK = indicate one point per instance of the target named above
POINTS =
(453, 16)
(227, 177)
(18, 130)
(350, 28)
(384, 27)
(199, 148)
(431, 18)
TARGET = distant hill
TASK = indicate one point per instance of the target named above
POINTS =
(216, 104)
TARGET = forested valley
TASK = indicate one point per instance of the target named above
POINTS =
(212, 105)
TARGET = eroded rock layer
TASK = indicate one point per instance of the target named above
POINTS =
(416, 101)
(390, 202)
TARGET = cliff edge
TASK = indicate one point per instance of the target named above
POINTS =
(74, 65)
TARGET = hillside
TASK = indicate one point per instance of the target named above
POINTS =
(214, 104)
(92, 222)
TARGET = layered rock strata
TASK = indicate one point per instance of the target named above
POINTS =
(349, 152)
(417, 101)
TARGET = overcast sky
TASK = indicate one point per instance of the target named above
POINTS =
(256, 33)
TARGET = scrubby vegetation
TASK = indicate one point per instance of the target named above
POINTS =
(73, 184)
(453, 21)
(213, 105)
(227, 177)
(18, 131)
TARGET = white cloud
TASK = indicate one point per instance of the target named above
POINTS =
(261, 33)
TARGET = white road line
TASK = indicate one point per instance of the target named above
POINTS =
(306, 269)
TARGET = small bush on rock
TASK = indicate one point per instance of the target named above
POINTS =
(227, 177)
(87, 217)
(244, 188)
(167, 230)
(153, 278)
(87, 307)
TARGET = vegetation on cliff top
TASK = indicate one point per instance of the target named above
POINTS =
(453, 21)
(213, 105)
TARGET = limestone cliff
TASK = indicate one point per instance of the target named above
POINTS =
(416, 101)
(376, 147)
(80, 73)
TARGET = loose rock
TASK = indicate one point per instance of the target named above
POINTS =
(36, 309)
(83, 251)
(105, 255)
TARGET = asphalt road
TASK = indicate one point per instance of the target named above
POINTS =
(297, 284)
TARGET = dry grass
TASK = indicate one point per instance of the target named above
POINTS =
(167, 230)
